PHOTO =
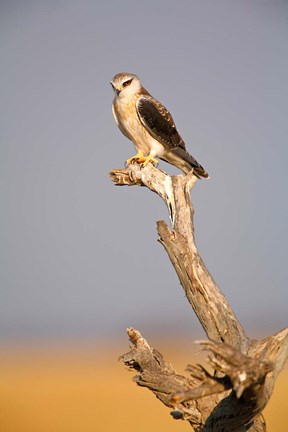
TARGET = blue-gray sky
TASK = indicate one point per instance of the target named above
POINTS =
(80, 256)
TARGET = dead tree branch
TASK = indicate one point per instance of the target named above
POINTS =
(245, 371)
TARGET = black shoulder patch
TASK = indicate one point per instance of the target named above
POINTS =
(157, 125)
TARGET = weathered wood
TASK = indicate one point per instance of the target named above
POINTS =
(208, 302)
(232, 399)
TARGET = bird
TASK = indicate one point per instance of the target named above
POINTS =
(150, 126)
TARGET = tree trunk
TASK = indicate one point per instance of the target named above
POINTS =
(233, 397)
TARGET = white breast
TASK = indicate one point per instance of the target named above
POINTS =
(126, 117)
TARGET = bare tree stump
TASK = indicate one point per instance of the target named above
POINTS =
(233, 397)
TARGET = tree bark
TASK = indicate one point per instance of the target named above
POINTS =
(233, 397)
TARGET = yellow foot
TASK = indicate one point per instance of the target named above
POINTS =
(142, 160)
(146, 159)
(135, 158)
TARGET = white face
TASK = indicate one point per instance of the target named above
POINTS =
(125, 85)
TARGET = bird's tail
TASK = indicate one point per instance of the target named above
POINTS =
(190, 162)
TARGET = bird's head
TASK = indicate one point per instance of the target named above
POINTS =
(125, 84)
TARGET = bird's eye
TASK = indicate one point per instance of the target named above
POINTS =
(127, 83)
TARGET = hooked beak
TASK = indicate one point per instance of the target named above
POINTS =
(115, 90)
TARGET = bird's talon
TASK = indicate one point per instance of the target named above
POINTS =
(145, 160)
(142, 160)
(134, 159)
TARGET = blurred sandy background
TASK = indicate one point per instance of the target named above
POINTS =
(85, 388)
(79, 257)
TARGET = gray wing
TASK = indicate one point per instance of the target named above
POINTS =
(159, 122)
